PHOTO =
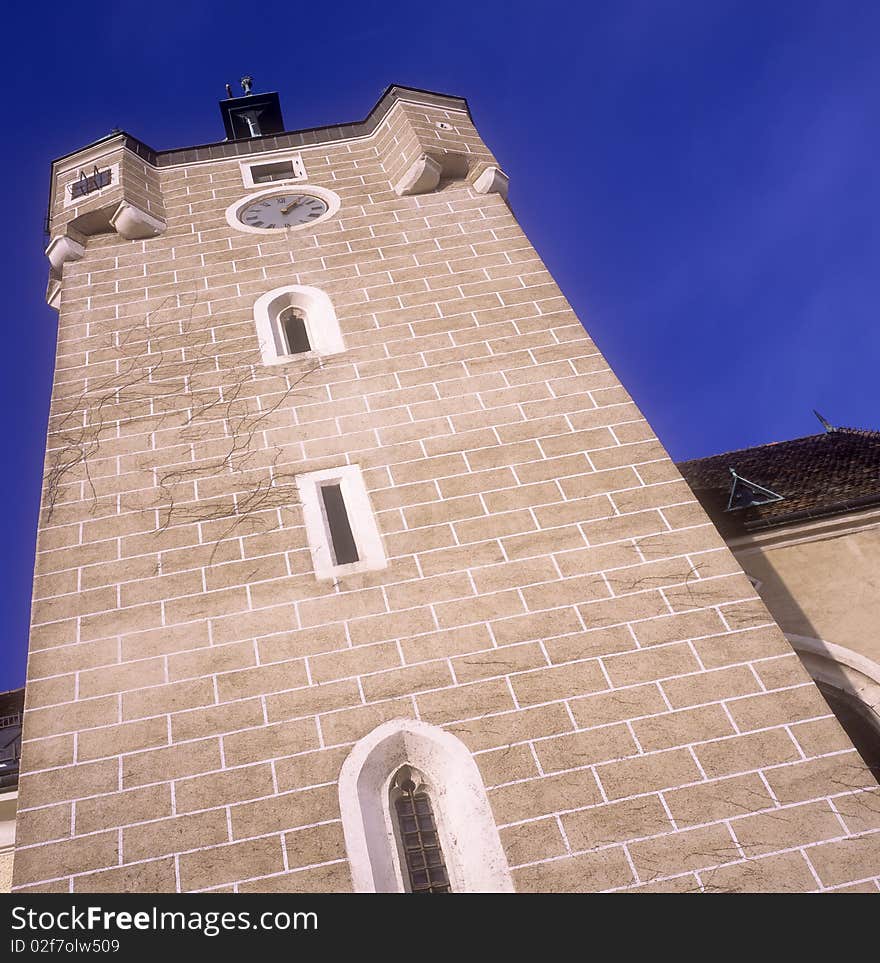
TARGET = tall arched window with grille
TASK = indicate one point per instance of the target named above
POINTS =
(416, 815)
(421, 850)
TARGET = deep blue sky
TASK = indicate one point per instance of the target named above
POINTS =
(701, 178)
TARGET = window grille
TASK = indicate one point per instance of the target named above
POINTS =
(86, 184)
(418, 834)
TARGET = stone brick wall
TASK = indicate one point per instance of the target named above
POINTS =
(554, 595)
(412, 131)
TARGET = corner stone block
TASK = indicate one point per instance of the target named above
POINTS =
(53, 290)
(65, 247)
(421, 177)
(134, 224)
(492, 180)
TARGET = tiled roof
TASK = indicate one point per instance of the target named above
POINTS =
(826, 474)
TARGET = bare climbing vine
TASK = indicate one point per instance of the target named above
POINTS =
(174, 377)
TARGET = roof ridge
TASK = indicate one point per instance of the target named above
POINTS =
(860, 432)
(869, 432)
(767, 444)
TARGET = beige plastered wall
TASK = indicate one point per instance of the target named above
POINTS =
(821, 582)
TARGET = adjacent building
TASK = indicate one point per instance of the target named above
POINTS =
(802, 518)
(11, 706)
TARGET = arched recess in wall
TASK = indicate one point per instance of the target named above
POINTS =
(850, 683)
(296, 321)
(469, 839)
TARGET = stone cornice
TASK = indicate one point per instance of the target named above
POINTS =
(812, 530)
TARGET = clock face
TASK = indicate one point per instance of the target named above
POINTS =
(282, 210)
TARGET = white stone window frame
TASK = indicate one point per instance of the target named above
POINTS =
(472, 849)
(299, 169)
(331, 199)
(361, 519)
(70, 201)
(319, 315)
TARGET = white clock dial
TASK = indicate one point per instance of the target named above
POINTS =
(282, 210)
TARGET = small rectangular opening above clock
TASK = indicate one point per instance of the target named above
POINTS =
(278, 171)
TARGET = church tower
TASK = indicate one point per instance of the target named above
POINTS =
(357, 567)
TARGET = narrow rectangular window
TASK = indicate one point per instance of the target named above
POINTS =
(265, 173)
(344, 549)
(296, 336)
(290, 168)
(341, 527)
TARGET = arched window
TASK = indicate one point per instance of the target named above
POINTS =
(416, 815)
(293, 328)
(417, 835)
(295, 321)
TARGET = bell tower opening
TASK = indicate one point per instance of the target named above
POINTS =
(253, 115)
